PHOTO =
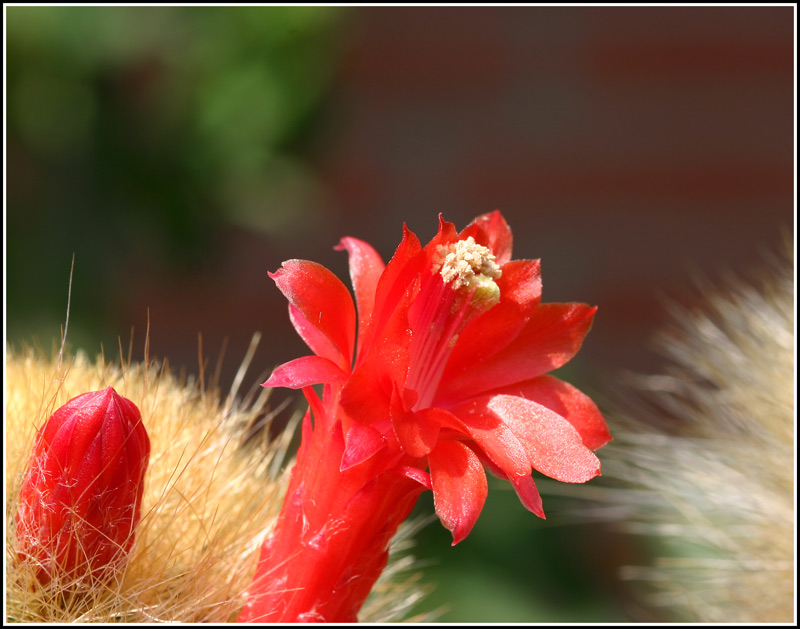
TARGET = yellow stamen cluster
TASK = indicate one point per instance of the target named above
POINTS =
(465, 263)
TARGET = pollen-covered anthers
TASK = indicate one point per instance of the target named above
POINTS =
(465, 263)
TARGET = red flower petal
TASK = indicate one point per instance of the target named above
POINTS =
(521, 283)
(444, 235)
(459, 487)
(393, 284)
(316, 340)
(360, 443)
(383, 363)
(491, 230)
(415, 474)
(520, 292)
(576, 407)
(416, 432)
(523, 485)
(305, 371)
(499, 443)
(366, 267)
(319, 412)
(322, 298)
(528, 494)
(554, 447)
(550, 338)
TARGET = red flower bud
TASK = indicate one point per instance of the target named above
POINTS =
(81, 493)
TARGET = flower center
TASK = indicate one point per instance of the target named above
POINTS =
(460, 286)
(464, 262)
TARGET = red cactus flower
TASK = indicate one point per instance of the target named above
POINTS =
(441, 367)
(81, 493)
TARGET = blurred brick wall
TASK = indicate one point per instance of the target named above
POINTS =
(627, 147)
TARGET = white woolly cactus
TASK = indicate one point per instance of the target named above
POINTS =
(210, 497)
(709, 448)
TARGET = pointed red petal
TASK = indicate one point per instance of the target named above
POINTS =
(493, 437)
(550, 338)
(415, 474)
(528, 494)
(459, 487)
(316, 340)
(383, 364)
(491, 230)
(303, 372)
(416, 432)
(322, 419)
(399, 273)
(554, 447)
(573, 405)
(322, 298)
(489, 465)
(523, 485)
(520, 292)
(521, 283)
(366, 267)
(444, 235)
(361, 443)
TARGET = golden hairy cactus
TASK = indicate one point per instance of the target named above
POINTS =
(212, 492)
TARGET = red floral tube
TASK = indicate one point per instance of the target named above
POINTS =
(437, 372)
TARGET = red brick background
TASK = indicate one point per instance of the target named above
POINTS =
(625, 146)
(629, 148)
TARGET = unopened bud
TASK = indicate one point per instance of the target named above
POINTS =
(81, 493)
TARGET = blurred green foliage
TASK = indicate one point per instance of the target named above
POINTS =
(133, 132)
(515, 567)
